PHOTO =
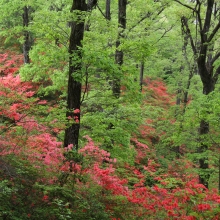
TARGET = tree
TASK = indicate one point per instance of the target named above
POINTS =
(108, 10)
(27, 36)
(117, 174)
(75, 73)
(15, 19)
(206, 54)
(119, 53)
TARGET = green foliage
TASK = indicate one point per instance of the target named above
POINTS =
(152, 37)
(111, 125)
(23, 197)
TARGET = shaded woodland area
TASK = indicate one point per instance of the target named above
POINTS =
(109, 110)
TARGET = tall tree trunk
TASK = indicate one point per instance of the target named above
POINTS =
(203, 161)
(119, 53)
(206, 74)
(208, 87)
(202, 49)
(74, 81)
(27, 38)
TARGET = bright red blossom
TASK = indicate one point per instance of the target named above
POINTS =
(45, 198)
(203, 207)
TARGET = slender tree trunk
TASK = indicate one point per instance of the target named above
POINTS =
(141, 75)
(176, 149)
(108, 10)
(27, 38)
(203, 161)
(74, 81)
(119, 53)
(208, 87)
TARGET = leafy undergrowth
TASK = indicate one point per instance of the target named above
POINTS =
(41, 180)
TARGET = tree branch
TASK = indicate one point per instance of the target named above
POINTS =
(165, 32)
(207, 22)
(217, 73)
(215, 58)
(147, 15)
(142, 19)
(187, 6)
(214, 32)
(102, 12)
(199, 17)
(188, 32)
(86, 90)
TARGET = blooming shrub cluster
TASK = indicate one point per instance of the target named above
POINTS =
(41, 180)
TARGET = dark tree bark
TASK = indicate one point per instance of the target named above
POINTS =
(192, 68)
(27, 37)
(119, 53)
(205, 68)
(205, 63)
(108, 10)
(74, 81)
(91, 4)
(141, 75)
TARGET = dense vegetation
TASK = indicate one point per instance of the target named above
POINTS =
(109, 110)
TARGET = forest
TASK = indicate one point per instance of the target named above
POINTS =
(109, 109)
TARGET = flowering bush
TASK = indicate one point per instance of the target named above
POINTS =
(41, 180)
